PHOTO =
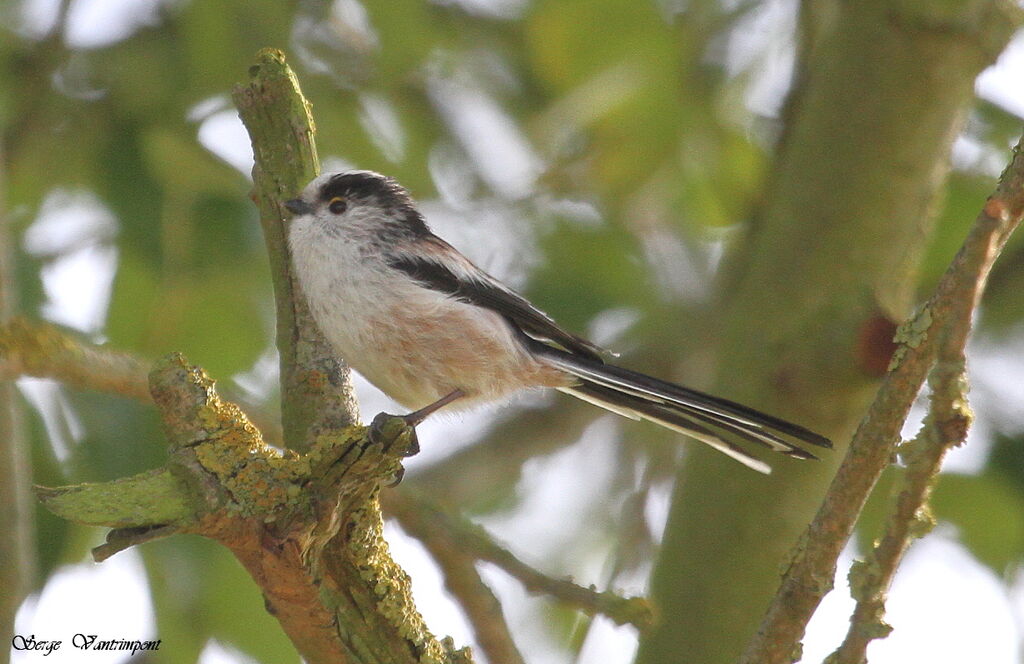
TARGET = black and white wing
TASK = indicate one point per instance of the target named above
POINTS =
(458, 277)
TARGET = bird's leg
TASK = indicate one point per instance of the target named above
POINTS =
(380, 432)
(417, 416)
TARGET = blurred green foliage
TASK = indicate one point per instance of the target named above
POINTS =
(629, 107)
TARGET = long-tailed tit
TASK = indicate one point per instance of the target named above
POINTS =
(430, 328)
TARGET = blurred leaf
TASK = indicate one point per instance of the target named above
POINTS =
(589, 270)
(1000, 127)
(122, 437)
(988, 511)
(217, 324)
(132, 192)
(985, 509)
(964, 197)
(179, 162)
(134, 292)
(1003, 308)
(409, 30)
(1007, 459)
(872, 520)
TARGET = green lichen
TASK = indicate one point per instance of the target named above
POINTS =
(878, 628)
(913, 332)
(922, 523)
(863, 578)
(369, 553)
(155, 497)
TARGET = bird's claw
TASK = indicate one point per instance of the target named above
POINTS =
(396, 479)
(394, 434)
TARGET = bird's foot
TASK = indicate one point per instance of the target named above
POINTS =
(395, 434)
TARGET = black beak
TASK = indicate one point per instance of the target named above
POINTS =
(298, 206)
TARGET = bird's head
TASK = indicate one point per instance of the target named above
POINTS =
(358, 201)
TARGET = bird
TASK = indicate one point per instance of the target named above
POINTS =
(432, 330)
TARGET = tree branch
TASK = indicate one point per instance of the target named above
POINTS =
(945, 427)
(477, 472)
(39, 349)
(316, 391)
(43, 350)
(307, 527)
(427, 521)
(461, 578)
(941, 326)
(17, 546)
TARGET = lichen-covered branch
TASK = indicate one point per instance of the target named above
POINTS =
(306, 526)
(316, 393)
(939, 329)
(828, 259)
(427, 521)
(945, 426)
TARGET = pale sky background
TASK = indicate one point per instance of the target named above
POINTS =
(946, 608)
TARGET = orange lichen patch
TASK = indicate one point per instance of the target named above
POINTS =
(316, 379)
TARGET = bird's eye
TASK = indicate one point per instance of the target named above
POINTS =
(337, 205)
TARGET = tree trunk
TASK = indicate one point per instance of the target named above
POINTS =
(810, 298)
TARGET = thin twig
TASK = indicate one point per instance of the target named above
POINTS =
(944, 320)
(120, 539)
(945, 427)
(418, 515)
(494, 464)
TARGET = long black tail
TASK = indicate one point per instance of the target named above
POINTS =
(711, 420)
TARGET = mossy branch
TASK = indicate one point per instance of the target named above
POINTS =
(940, 329)
(946, 424)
